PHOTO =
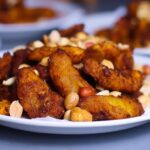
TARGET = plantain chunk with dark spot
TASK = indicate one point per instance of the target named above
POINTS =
(128, 81)
(37, 99)
(64, 76)
(109, 107)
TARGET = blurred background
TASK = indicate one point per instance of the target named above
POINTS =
(89, 5)
(99, 5)
(28, 20)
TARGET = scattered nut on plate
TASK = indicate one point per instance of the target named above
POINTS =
(15, 109)
(80, 115)
(54, 36)
(71, 100)
(37, 44)
(67, 115)
(23, 66)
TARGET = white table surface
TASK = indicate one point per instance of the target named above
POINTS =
(132, 139)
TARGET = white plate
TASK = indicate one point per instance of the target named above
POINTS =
(24, 33)
(142, 51)
(104, 20)
(50, 125)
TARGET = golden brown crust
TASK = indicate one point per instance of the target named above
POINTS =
(4, 107)
(124, 81)
(122, 59)
(76, 54)
(5, 66)
(65, 77)
(36, 97)
(109, 107)
(38, 53)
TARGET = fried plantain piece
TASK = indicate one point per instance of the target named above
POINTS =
(65, 77)
(76, 54)
(38, 53)
(109, 50)
(109, 107)
(5, 66)
(72, 30)
(36, 97)
(19, 58)
(124, 60)
(128, 81)
(4, 107)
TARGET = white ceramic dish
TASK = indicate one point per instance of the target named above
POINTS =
(24, 33)
(50, 125)
(98, 21)
(142, 51)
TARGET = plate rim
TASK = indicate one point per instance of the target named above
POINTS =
(38, 122)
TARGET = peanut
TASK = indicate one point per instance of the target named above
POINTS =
(16, 109)
(54, 36)
(107, 63)
(63, 41)
(44, 61)
(103, 93)
(115, 93)
(37, 44)
(36, 72)
(78, 115)
(81, 36)
(86, 91)
(71, 100)
(9, 81)
(67, 115)
(23, 66)
(123, 46)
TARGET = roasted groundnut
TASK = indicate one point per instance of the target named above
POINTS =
(71, 100)
(16, 110)
(36, 97)
(109, 107)
(64, 76)
(67, 115)
(5, 66)
(4, 107)
(9, 82)
(80, 115)
(123, 81)
(86, 91)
